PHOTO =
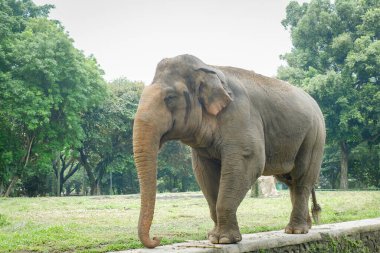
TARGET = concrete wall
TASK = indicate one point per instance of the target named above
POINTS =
(354, 236)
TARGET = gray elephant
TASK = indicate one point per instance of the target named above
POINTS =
(240, 125)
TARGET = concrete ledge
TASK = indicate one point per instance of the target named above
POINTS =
(366, 231)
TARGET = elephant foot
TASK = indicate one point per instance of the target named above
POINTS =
(224, 236)
(297, 229)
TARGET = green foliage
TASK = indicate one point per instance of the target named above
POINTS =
(45, 87)
(55, 83)
(339, 245)
(108, 135)
(175, 168)
(335, 58)
(14, 16)
(365, 161)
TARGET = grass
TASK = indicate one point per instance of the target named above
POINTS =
(108, 223)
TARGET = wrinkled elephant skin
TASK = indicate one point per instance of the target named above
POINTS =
(240, 125)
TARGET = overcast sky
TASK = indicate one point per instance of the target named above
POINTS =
(129, 37)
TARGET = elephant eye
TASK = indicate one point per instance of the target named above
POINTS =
(170, 99)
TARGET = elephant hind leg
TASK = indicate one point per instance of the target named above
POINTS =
(287, 179)
(303, 179)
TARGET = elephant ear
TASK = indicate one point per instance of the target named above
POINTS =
(212, 92)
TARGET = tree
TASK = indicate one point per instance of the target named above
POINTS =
(175, 169)
(14, 152)
(14, 15)
(365, 164)
(64, 166)
(108, 132)
(48, 87)
(335, 57)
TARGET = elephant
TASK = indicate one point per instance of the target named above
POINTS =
(240, 125)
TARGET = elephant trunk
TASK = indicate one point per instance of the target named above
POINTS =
(145, 153)
(147, 133)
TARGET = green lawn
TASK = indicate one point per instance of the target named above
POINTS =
(108, 223)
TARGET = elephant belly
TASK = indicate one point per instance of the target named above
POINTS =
(280, 154)
(278, 168)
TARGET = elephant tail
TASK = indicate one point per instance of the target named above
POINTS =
(316, 208)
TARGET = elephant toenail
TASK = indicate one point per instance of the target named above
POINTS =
(224, 240)
(213, 239)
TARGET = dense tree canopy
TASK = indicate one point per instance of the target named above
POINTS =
(45, 87)
(108, 130)
(16, 137)
(335, 57)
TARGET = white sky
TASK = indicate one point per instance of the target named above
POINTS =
(129, 37)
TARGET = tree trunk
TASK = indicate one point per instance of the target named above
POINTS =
(11, 185)
(344, 153)
(73, 168)
(84, 187)
(89, 170)
(25, 161)
(1, 188)
(111, 189)
(99, 169)
(59, 183)
(98, 190)
(93, 188)
(185, 184)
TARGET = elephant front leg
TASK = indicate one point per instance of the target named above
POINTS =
(207, 173)
(237, 175)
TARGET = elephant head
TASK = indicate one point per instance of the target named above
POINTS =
(184, 96)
